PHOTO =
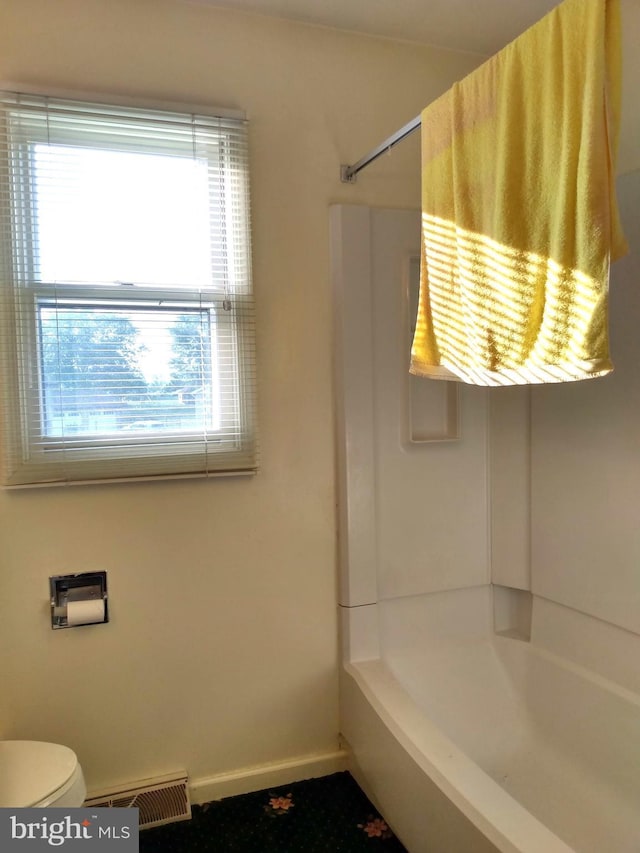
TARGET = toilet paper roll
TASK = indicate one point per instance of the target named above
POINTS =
(85, 612)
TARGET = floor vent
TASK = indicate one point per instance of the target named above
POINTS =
(161, 800)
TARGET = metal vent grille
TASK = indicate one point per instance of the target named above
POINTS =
(161, 800)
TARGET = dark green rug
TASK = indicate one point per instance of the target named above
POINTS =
(326, 815)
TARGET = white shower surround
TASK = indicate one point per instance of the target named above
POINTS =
(475, 723)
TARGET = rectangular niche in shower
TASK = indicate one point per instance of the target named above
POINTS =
(432, 411)
(512, 611)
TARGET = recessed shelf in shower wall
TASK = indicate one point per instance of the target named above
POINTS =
(431, 407)
(512, 610)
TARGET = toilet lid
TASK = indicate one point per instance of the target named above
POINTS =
(32, 770)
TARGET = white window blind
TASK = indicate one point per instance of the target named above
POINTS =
(127, 346)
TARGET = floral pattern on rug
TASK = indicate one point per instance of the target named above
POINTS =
(279, 805)
(329, 814)
(375, 827)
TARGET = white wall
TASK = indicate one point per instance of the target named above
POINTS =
(586, 464)
(413, 485)
(221, 652)
(430, 495)
(565, 487)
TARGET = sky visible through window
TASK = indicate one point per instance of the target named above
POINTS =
(115, 216)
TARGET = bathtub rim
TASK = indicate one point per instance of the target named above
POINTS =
(492, 810)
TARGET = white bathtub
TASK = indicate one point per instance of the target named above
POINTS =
(469, 741)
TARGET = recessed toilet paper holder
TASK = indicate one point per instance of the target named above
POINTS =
(78, 599)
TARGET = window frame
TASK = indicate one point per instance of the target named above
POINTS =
(33, 458)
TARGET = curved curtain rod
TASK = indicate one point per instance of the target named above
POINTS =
(348, 173)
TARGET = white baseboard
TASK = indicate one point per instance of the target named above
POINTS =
(273, 775)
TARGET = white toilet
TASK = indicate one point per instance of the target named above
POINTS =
(33, 773)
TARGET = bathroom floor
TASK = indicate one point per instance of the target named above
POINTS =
(326, 815)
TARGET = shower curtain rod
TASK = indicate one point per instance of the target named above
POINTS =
(348, 173)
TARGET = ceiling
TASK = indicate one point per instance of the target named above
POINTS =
(479, 26)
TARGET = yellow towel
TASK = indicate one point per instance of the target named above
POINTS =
(520, 219)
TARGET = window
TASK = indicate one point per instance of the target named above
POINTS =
(127, 345)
